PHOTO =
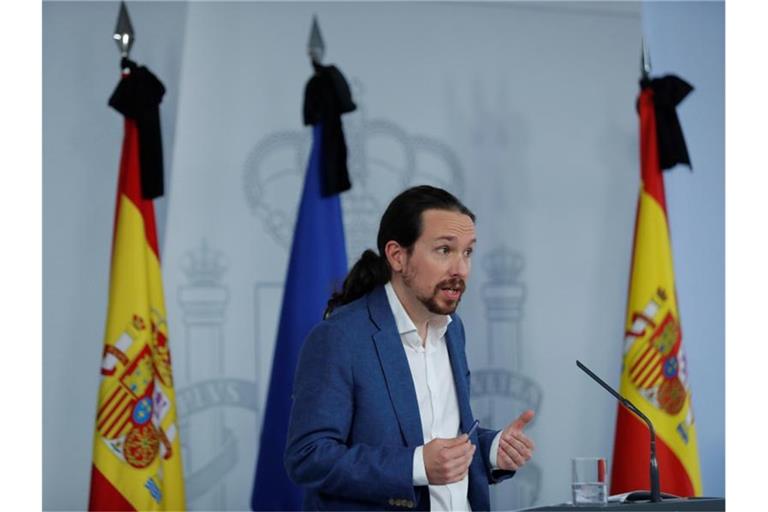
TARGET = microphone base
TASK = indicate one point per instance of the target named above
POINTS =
(639, 496)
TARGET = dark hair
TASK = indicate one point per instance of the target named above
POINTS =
(401, 222)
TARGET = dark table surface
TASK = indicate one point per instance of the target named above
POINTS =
(682, 504)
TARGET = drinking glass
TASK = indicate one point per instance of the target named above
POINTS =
(588, 481)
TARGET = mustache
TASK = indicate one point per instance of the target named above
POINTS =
(456, 283)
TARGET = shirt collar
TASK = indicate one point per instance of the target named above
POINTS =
(405, 325)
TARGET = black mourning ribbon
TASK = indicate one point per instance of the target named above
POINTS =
(668, 92)
(326, 97)
(138, 96)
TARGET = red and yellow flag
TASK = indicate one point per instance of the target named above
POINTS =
(136, 449)
(654, 375)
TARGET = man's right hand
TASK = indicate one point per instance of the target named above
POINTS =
(448, 460)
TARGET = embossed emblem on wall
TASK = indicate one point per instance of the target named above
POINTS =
(384, 158)
(501, 388)
(210, 449)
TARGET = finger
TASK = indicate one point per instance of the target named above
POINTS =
(468, 458)
(522, 420)
(520, 447)
(515, 459)
(512, 453)
(456, 441)
(505, 462)
(457, 468)
(447, 444)
(519, 437)
(458, 451)
(460, 473)
(527, 441)
(460, 460)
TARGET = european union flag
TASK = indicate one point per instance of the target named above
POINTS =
(318, 264)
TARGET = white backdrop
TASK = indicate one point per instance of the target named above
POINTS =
(525, 111)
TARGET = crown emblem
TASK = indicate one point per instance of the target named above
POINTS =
(503, 265)
(203, 266)
(383, 159)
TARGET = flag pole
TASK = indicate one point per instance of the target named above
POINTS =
(645, 62)
(124, 35)
(316, 45)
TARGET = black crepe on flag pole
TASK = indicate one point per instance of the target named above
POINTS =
(326, 98)
(668, 92)
(138, 96)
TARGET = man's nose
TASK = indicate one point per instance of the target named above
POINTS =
(460, 267)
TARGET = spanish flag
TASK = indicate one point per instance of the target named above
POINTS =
(654, 372)
(136, 448)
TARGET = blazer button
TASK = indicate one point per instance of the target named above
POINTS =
(409, 504)
(399, 503)
(391, 501)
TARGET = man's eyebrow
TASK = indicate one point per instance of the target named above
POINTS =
(451, 238)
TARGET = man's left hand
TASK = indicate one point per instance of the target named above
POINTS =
(515, 448)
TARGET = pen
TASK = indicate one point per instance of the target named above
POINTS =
(473, 428)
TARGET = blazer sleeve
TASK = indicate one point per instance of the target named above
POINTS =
(318, 455)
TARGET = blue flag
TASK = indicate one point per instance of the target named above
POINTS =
(318, 263)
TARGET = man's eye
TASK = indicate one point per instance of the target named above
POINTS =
(469, 252)
(443, 250)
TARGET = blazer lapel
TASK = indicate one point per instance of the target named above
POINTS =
(458, 366)
(397, 373)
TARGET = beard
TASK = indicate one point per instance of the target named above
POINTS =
(432, 302)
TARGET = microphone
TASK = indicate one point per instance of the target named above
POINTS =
(655, 484)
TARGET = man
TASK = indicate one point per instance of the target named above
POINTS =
(381, 398)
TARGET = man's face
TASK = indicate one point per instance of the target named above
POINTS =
(436, 270)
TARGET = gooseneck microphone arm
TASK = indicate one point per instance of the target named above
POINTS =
(655, 485)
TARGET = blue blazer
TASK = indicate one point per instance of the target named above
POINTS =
(355, 419)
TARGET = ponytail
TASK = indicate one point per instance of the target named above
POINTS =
(370, 271)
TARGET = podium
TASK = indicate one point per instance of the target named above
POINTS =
(681, 504)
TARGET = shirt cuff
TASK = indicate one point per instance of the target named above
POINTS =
(493, 456)
(419, 470)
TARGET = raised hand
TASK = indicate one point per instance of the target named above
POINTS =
(515, 448)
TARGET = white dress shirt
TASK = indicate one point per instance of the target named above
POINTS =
(436, 394)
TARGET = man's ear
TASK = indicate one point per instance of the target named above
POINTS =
(395, 254)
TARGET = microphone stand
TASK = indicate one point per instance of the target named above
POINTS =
(655, 485)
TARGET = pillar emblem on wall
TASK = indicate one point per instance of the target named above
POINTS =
(209, 445)
(502, 385)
